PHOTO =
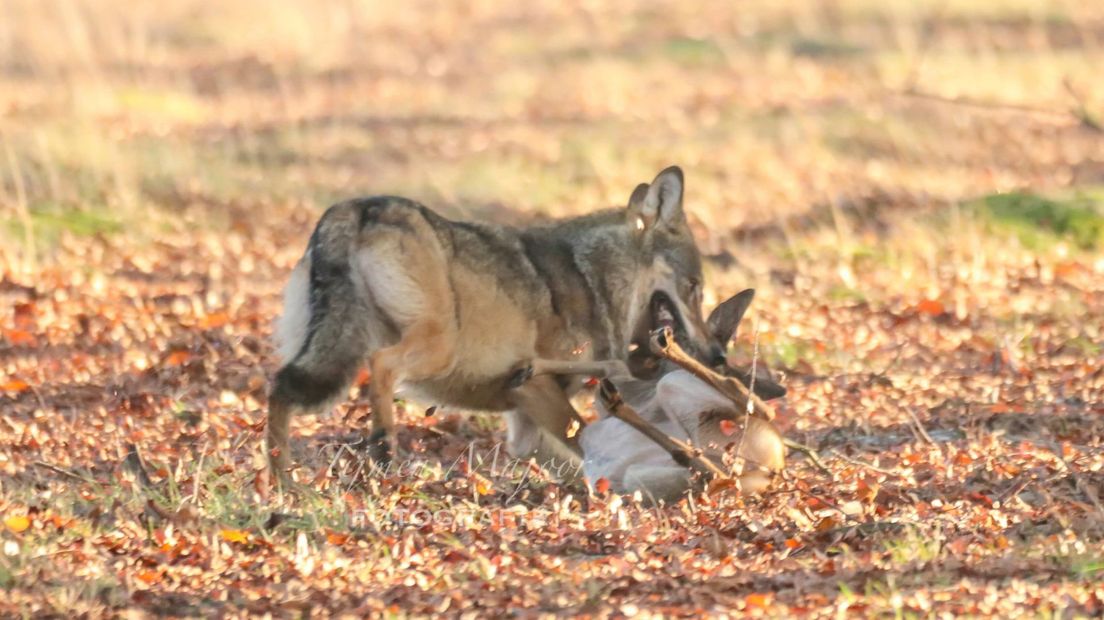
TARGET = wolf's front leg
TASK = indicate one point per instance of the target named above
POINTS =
(605, 369)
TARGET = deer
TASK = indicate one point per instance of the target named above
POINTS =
(679, 425)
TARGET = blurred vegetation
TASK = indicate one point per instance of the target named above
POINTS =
(152, 110)
(1040, 221)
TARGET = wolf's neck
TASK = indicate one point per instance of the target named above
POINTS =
(589, 266)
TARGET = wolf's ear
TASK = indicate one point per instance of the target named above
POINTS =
(659, 202)
(726, 317)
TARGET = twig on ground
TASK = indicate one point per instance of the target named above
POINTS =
(919, 427)
(880, 470)
(809, 452)
(980, 104)
(64, 472)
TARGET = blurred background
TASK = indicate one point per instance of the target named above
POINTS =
(185, 109)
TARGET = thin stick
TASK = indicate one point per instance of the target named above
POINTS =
(683, 453)
(64, 472)
(663, 344)
(881, 470)
(808, 452)
(920, 427)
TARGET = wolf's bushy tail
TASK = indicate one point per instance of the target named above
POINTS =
(319, 337)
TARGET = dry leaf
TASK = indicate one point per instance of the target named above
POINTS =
(17, 523)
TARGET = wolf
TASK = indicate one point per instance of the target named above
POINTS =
(449, 309)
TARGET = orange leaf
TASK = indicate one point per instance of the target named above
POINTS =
(213, 320)
(934, 307)
(717, 485)
(15, 385)
(149, 576)
(756, 599)
(335, 538)
(792, 543)
(24, 314)
(1000, 408)
(177, 358)
(1066, 268)
(18, 336)
(826, 524)
(363, 376)
(17, 523)
(483, 486)
(235, 536)
(728, 427)
(602, 486)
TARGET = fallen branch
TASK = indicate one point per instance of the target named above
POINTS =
(683, 453)
(663, 344)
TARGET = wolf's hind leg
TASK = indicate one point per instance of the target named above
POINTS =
(301, 387)
(425, 349)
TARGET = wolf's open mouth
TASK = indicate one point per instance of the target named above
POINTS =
(662, 312)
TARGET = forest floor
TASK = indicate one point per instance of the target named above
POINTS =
(916, 191)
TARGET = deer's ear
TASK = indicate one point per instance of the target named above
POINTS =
(659, 202)
(726, 317)
(765, 385)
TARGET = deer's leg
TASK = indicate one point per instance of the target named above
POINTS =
(539, 427)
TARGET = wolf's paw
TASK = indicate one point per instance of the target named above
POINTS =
(520, 376)
(381, 447)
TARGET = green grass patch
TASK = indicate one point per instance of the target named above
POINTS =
(692, 51)
(824, 48)
(50, 220)
(1039, 222)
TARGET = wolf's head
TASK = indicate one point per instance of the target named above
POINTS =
(669, 284)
